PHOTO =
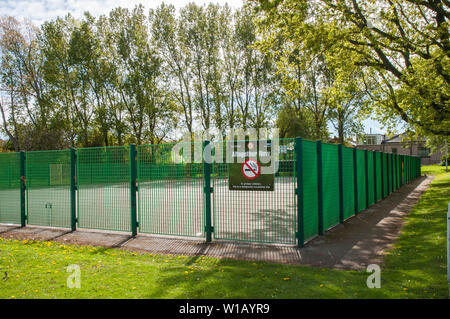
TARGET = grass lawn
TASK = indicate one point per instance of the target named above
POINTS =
(414, 268)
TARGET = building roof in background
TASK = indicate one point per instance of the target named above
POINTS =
(399, 139)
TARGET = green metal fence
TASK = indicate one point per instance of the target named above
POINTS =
(170, 193)
(154, 189)
(103, 181)
(48, 188)
(259, 216)
(10, 188)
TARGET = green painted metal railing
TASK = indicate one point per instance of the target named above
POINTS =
(148, 189)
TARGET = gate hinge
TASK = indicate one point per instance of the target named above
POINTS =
(211, 229)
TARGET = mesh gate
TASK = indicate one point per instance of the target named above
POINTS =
(48, 188)
(170, 197)
(103, 198)
(10, 188)
(260, 216)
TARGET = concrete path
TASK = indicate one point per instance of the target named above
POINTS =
(358, 242)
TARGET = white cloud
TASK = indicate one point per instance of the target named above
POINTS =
(39, 11)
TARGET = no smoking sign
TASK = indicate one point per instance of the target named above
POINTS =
(251, 169)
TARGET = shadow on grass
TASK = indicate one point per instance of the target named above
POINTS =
(414, 268)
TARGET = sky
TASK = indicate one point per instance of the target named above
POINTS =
(39, 11)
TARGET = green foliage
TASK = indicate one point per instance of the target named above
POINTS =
(401, 48)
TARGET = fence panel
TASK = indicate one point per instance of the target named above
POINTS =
(10, 188)
(385, 184)
(103, 177)
(397, 176)
(330, 185)
(310, 185)
(170, 196)
(347, 182)
(261, 216)
(48, 188)
(378, 158)
(371, 179)
(361, 176)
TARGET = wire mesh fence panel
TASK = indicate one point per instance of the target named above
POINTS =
(10, 188)
(361, 179)
(103, 197)
(390, 179)
(48, 188)
(397, 179)
(256, 215)
(385, 184)
(170, 197)
(310, 185)
(407, 169)
(370, 178)
(348, 185)
(379, 174)
(330, 185)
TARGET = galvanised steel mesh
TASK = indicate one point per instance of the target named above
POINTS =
(10, 188)
(48, 188)
(103, 197)
(361, 179)
(379, 174)
(260, 216)
(371, 179)
(347, 182)
(170, 196)
(310, 189)
(330, 185)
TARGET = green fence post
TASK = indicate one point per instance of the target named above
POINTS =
(375, 176)
(319, 186)
(23, 217)
(206, 159)
(341, 186)
(366, 173)
(355, 181)
(299, 191)
(133, 188)
(73, 187)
